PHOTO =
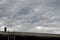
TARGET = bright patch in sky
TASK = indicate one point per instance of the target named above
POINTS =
(39, 27)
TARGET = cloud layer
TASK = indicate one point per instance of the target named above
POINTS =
(30, 15)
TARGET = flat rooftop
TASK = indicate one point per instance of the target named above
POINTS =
(29, 34)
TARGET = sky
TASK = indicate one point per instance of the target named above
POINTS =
(40, 16)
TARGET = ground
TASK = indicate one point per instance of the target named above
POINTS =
(17, 37)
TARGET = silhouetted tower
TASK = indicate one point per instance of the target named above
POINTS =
(5, 29)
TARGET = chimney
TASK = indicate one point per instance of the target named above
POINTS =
(5, 29)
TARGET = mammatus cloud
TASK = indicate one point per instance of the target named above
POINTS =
(30, 15)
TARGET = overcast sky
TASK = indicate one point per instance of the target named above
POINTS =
(41, 16)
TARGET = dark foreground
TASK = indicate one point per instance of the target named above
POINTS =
(28, 38)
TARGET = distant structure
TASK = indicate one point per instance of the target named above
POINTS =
(5, 29)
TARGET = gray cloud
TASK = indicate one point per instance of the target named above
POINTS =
(27, 15)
